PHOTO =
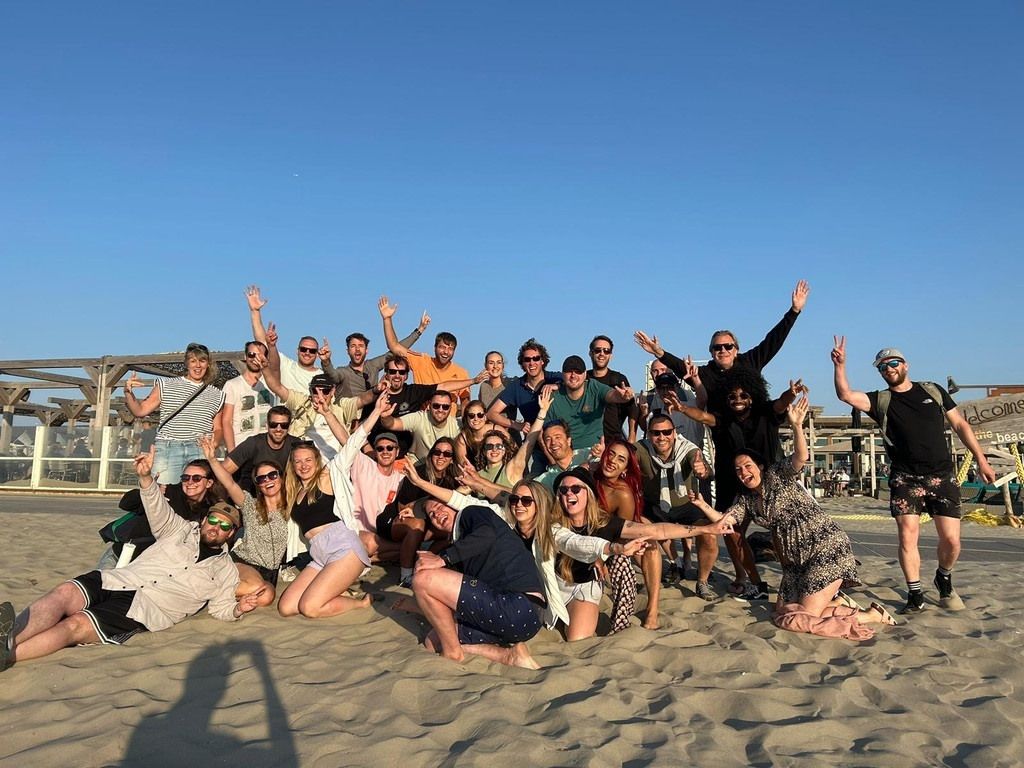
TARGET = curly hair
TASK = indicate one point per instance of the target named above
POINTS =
(747, 379)
(480, 458)
(532, 343)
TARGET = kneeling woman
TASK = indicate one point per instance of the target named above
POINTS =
(338, 554)
(814, 551)
(579, 511)
(258, 554)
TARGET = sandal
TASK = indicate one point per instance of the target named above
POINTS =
(887, 618)
(848, 601)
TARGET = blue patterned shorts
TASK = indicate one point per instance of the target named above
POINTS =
(495, 618)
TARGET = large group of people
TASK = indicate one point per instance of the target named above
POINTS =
(502, 513)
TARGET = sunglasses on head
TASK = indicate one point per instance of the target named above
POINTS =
(443, 454)
(216, 522)
(304, 444)
(564, 490)
(271, 475)
(193, 347)
(889, 364)
(662, 432)
(193, 478)
(526, 501)
(722, 347)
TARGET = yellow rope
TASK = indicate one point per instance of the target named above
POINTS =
(965, 467)
(1020, 462)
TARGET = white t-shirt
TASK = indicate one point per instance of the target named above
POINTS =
(250, 406)
(294, 376)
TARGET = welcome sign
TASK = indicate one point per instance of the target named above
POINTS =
(996, 420)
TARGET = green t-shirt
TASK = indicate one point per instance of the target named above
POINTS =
(585, 416)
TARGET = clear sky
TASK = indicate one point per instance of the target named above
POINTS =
(518, 169)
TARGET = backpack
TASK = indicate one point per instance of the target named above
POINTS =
(885, 396)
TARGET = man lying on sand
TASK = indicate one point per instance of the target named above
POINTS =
(187, 567)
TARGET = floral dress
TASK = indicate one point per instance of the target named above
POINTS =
(813, 550)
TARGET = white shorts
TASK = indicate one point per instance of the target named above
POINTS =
(333, 543)
(587, 592)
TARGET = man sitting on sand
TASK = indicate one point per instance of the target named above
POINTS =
(482, 594)
(188, 567)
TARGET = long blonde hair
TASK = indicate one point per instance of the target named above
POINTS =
(294, 487)
(544, 502)
(596, 517)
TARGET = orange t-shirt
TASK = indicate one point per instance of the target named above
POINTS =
(426, 371)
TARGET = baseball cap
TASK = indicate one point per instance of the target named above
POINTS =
(574, 363)
(888, 353)
(224, 509)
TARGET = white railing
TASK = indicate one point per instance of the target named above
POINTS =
(63, 459)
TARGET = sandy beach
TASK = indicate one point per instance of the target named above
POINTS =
(717, 685)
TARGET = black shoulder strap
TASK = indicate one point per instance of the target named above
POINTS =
(182, 407)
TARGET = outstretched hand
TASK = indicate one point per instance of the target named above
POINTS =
(798, 387)
(838, 351)
(799, 297)
(272, 335)
(648, 344)
(797, 412)
(208, 447)
(324, 353)
(144, 462)
(255, 301)
(386, 309)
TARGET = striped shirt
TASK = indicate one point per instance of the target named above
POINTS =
(196, 419)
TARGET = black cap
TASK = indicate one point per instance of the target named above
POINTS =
(580, 473)
(321, 380)
(574, 363)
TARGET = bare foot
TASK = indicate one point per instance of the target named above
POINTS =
(519, 656)
(407, 604)
(651, 622)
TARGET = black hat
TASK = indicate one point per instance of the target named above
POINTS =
(574, 363)
(320, 380)
(580, 473)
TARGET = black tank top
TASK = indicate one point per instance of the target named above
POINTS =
(320, 512)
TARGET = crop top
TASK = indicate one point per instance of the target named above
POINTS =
(310, 516)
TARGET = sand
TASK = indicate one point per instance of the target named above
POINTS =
(718, 685)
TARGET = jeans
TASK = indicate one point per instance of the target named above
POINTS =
(172, 456)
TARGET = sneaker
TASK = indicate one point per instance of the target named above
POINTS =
(915, 603)
(669, 573)
(405, 582)
(944, 584)
(6, 627)
(762, 591)
(704, 591)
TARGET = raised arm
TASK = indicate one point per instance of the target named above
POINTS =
(322, 405)
(209, 448)
(787, 398)
(387, 313)
(256, 304)
(620, 394)
(673, 403)
(138, 407)
(272, 371)
(759, 356)
(458, 384)
(795, 415)
(516, 467)
(662, 531)
(858, 400)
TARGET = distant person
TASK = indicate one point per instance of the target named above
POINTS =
(913, 417)
(190, 406)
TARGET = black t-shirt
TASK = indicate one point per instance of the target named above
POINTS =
(254, 450)
(412, 398)
(759, 432)
(615, 413)
(917, 430)
(610, 531)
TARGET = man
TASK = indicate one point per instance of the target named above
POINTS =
(615, 414)
(426, 369)
(580, 402)
(558, 444)
(187, 568)
(667, 460)
(294, 374)
(482, 594)
(660, 400)
(247, 399)
(438, 420)
(913, 419)
(725, 350)
(361, 373)
(521, 393)
(306, 422)
(273, 445)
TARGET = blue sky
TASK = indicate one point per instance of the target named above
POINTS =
(519, 169)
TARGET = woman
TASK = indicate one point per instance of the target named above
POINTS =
(814, 551)
(494, 365)
(259, 552)
(578, 510)
(338, 555)
(189, 407)
(619, 491)
(474, 427)
(494, 457)
(400, 521)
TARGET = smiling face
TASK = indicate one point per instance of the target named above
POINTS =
(196, 367)
(440, 408)
(532, 362)
(442, 517)
(387, 452)
(306, 463)
(195, 490)
(724, 350)
(748, 472)
(396, 374)
(441, 455)
(600, 353)
(254, 357)
(572, 496)
(268, 480)
(494, 364)
(662, 434)
(894, 375)
(524, 508)
(557, 442)
(444, 351)
(214, 535)
(306, 351)
(614, 461)
(739, 401)
(574, 380)
(494, 450)
(356, 351)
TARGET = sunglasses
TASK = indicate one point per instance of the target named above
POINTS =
(494, 446)
(441, 406)
(278, 424)
(193, 347)
(526, 501)
(323, 390)
(532, 359)
(662, 432)
(385, 447)
(443, 454)
(271, 475)
(193, 478)
(216, 522)
(722, 347)
(601, 350)
(889, 364)
(396, 371)
(304, 444)
(308, 350)
(732, 398)
(252, 355)
(479, 415)
(565, 490)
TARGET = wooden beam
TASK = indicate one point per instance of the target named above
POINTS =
(75, 381)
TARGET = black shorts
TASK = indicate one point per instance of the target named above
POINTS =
(108, 611)
(485, 615)
(688, 514)
(269, 575)
(938, 495)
